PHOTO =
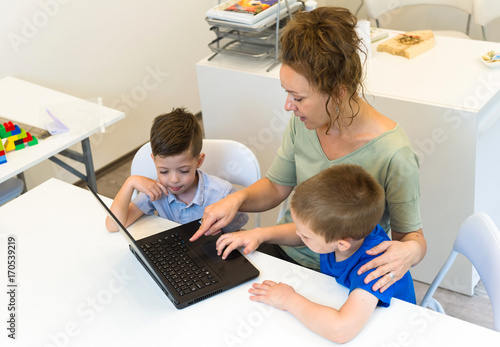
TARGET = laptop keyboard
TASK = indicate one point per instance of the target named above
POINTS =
(169, 254)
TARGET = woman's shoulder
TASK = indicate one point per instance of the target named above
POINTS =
(394, 138)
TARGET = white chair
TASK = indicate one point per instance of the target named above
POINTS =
(485, 11)
(227, 159)
(282, 210)
(10, 189)
(284, 207)
(143, 164)
(479, 240)
(381, 8)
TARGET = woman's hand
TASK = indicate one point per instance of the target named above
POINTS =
(217, 216)
(259, 197)
(397, 257)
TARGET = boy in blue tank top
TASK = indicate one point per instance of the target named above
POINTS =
(336, 214)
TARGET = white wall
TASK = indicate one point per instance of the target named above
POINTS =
(423, 17)
(139, 56)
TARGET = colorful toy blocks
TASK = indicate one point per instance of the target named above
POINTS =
(20, 141)
(9, 129)
(17, 138)
(3, 158)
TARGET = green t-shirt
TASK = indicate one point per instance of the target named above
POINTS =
(389, 158)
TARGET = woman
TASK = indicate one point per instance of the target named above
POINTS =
(322, 74)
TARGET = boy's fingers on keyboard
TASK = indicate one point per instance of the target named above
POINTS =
(230, 248)
(222, 243)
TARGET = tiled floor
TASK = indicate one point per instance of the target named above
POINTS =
(476, 309)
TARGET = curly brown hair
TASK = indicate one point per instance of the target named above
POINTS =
(323, 46)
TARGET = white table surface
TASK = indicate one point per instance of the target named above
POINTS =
(451, 74)
(22, 101)
(79, 285)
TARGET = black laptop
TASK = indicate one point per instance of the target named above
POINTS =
(187, 272)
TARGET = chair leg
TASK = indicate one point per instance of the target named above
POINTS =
(467, 29)
(257, 220)
(439, 277)
(436, 306)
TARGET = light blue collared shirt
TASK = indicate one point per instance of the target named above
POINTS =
(210, 190)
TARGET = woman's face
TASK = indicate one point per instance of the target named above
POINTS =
(305, 102)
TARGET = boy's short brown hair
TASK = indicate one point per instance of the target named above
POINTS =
(175, 132)
(343, 201)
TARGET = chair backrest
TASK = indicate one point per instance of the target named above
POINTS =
(227, 159)
(377, 8)
(479, 240)
(143, 164)
(230, 160)
(485, 11)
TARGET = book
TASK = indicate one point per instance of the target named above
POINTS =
(377, 34)
(220, 12)
(253, 7)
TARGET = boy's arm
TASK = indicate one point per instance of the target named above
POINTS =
(123, 209)
(283, 234)
(338, 326)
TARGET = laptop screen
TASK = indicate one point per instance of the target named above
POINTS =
(119, 225)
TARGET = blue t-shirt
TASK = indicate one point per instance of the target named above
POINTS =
(210, 190)
(346, 271)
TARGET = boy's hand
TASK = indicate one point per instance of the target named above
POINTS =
(150, 187)
(275, 294)
(229, 242)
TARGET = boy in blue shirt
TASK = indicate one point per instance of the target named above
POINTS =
(181, 192)
(336, 214)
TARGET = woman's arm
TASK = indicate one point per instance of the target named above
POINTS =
(399, 255)
(260, 196)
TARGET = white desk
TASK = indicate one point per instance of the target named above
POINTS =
(22, 101)
(79, 285)
(447, 101)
